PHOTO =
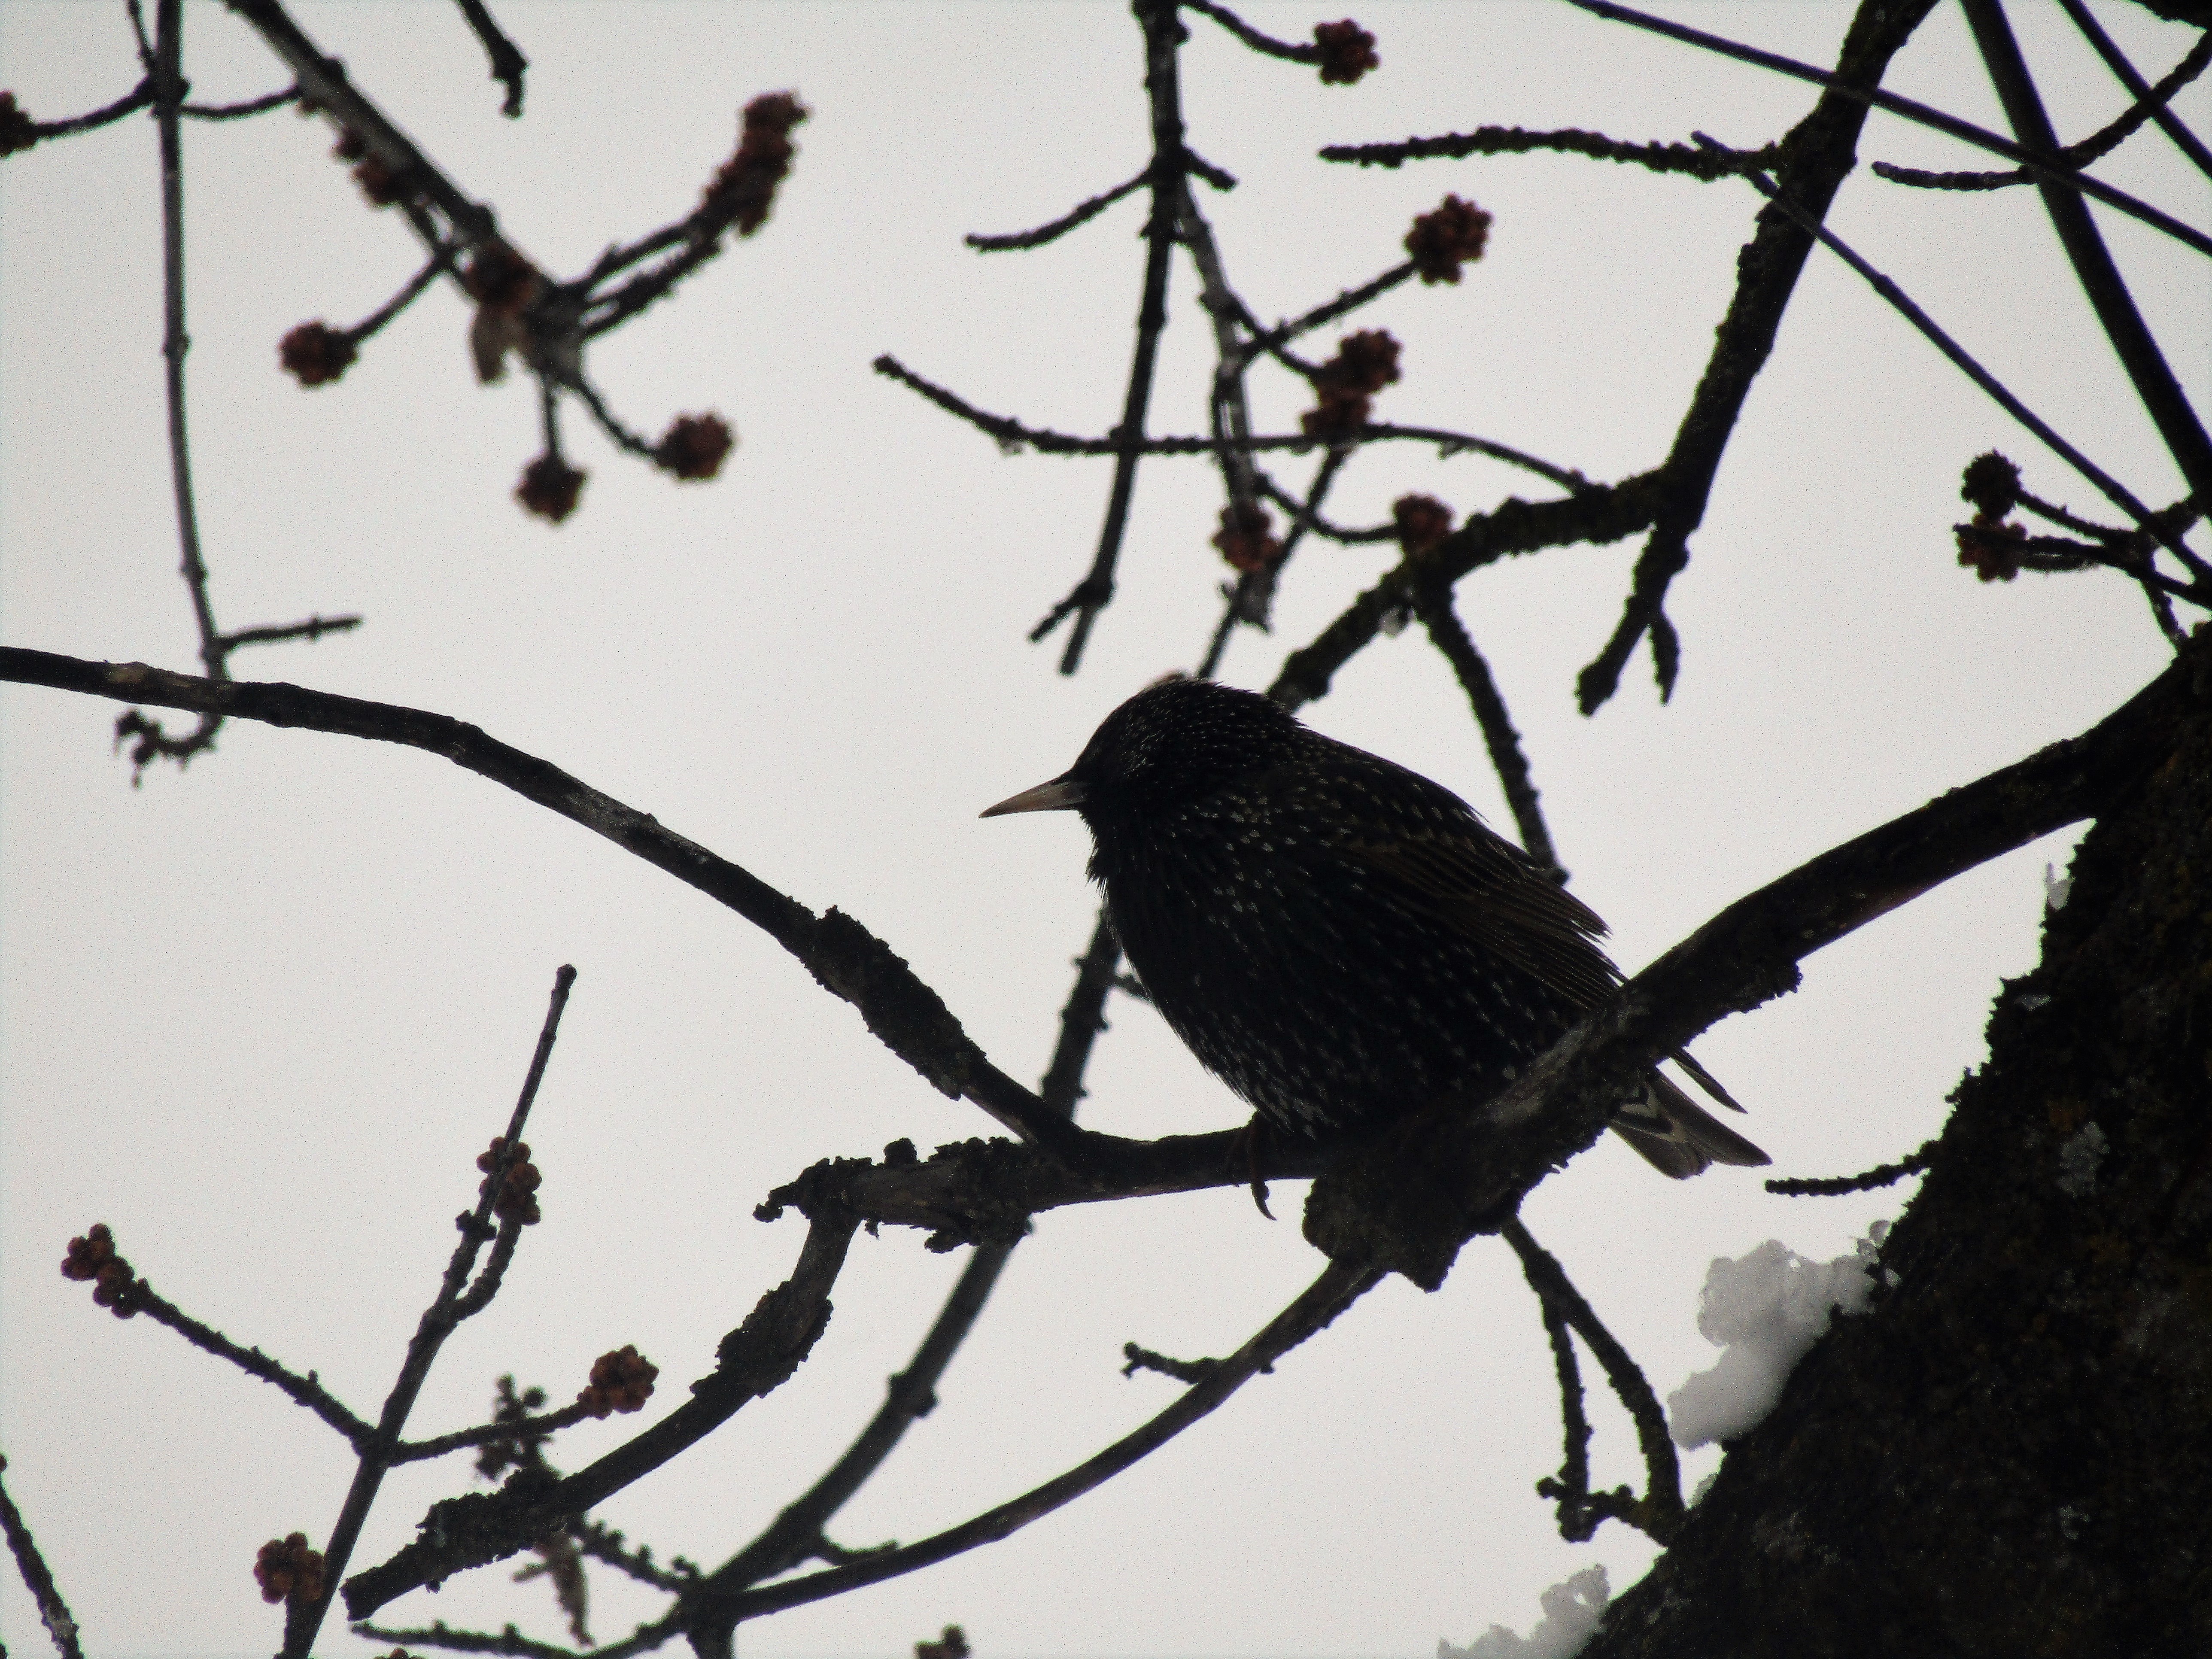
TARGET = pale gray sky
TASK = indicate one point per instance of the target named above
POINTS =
(260, 1018)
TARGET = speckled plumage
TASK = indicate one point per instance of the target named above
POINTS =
(1337, 939)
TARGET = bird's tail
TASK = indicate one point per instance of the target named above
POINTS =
(1676, 1135)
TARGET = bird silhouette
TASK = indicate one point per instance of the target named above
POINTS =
(1337, 939)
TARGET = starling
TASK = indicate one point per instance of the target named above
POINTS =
(1337, 939)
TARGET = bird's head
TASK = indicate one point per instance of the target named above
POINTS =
(1173, 743)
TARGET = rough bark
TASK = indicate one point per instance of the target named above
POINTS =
(2010, 1453)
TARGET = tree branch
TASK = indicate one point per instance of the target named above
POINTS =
(845, 958)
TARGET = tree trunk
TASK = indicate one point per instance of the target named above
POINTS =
(2011, 1452)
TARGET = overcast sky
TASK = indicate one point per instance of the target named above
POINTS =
(260, 1017)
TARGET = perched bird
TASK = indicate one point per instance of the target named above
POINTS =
(1339, 939)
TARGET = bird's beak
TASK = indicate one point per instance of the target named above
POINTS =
(1059, 795)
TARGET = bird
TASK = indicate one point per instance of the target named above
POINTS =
(1337, 939)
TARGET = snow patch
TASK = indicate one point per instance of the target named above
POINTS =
(2078, 1160)
(1765, 1311)
(1571, 1613)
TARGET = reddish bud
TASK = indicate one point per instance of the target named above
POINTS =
(621, 1381)
(1992, 484)
(1422, 521)
(1347, 51)
(694, 446)
(1990, 548)
(315, 354)
(1244, 539)
(1441, 241)
(518, 1192)
(744, 188)
(550, 488)
(287, 1570)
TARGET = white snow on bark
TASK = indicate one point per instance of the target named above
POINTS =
(1765, 1311)
(1572, 1612)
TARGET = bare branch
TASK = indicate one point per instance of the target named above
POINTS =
(1882, 1175)
(2155, 387)
(2187, 142)
(260, 105)
(507, 62)
(1656, 156)
(1821, 150)
(313, 629)
(845, 958)
(1082, 213)
(139, 97)
(303, 1616)
(753, 1360)
(1841, 85)
(303, 1391)
(1164, 36)
(1328, 1295)
(1289, 51)
(2157, 526)
(1432, 603)
(1659, 1511)
(53, 1610)
(2100, 143)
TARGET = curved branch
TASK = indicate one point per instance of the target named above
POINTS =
(845, 957)
(1336, 1289)
(1658, 157)
(1839, 84)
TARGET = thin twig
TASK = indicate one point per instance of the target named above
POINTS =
(1164, 35)
(913, 1392)
(1432, 603)
(1327, 312)
(2187, 142)
(1659, 1511)
(507, 62)
(1906, 107)
(1011, 435)
(1228, 411)
(1882, 1175)
(312, 629)
(1821, 151)
(53, 1610)
(304, 1616)
(1336, 1289)
(847, 960)
(603, 1543)
(1321, 527)
(623, 437)
(2152, 524)
(260, 105)
(136, 98)
(408, 293)
(302, 1391)
(1082, 213)
(1288, 50)
(2155, 387)
(416, 1451)
(2099, 144)
(169, 84)
(1183, 1371)
(1656, 156)
(1577, 1521)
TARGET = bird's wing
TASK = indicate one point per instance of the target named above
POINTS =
(1485, 888)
